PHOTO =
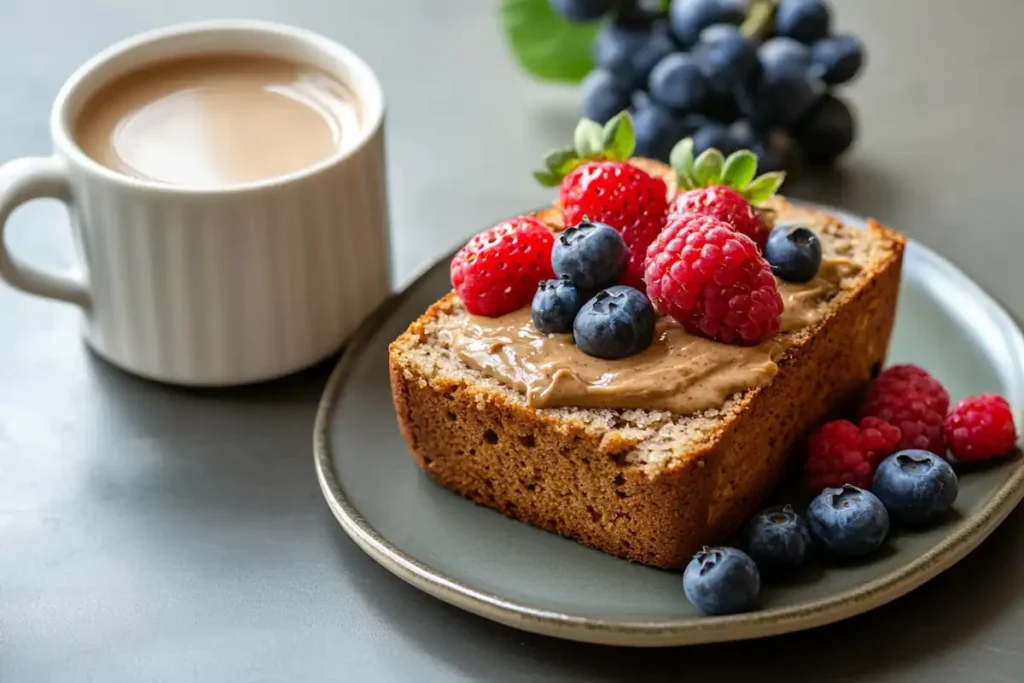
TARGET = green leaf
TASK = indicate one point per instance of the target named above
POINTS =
(619, 142)
(547, 179)
(681, 160)
(740, 168)
(763, 187)
(546, 45)
(588, 139)
(561, 161)
(707, 168)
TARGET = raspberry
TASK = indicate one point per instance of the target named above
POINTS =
(498, 270)
(907, 397)
(620, 195)
(843, 453)
(712, 280)
(980, 427)
(725, 204)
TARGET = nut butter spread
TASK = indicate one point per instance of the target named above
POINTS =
(679, 372)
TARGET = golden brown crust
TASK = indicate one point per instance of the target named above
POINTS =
(571, 479)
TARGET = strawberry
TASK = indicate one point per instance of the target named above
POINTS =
(723, 188)
(498, 270)
(597, 183)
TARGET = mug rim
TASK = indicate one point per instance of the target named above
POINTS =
(369, 93)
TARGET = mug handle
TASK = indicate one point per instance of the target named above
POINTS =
(21, 181)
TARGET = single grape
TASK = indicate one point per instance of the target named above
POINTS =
(803, 20)
(784, 58)
(602, 96)
(836, 59)
(783, 90)
(725, 56)
(786, 101)
(827, 131)
(677, 82)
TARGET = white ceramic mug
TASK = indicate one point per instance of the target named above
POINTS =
(214, 287)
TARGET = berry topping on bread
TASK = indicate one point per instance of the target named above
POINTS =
(498, 270)
(596, 182)
(713, 281)
(616, 323)
(793, 252)
(645, 420)
(723, 188)
(590, 255)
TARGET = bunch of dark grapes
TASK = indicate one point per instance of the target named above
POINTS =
(731, 74)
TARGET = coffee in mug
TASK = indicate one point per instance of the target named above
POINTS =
(217, 120)
(225, 185)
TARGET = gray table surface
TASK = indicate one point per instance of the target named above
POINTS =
(155, 534)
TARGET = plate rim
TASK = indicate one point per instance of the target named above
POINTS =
(684, 631)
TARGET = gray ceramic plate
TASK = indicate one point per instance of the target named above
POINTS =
(478, 560)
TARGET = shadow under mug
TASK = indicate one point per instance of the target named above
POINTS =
(220, 286)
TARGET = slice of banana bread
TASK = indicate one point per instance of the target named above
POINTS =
(647, 485)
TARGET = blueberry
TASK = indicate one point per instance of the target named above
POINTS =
(848, 521)
(725, 55)
(677, 82)
(803, 20)
(582, 10)
(722, 581)
(616, 323)
(590, 255)
(602, 96)
(555, 306)
(711, 134)
(784, 58)
(827, 131)
(916, 487)
(690, 17)
(778, 540)
(655, 128)
(836, 59)
(793, 252)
